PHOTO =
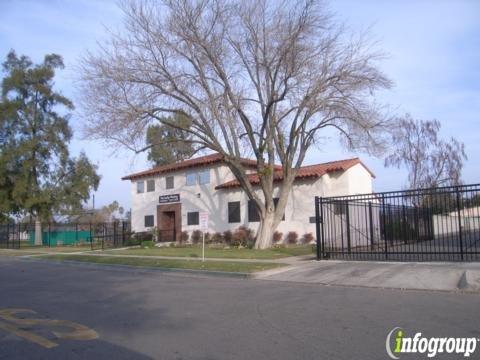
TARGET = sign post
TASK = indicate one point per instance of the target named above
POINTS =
(204, 226)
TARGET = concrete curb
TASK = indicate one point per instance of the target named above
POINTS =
(462, 282)
(270, 272)
(469, 281)
(213, 273)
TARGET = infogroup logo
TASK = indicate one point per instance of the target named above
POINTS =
(398, 343)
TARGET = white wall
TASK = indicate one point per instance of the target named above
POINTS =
(146, 203)
(360, 180)
(300, 204)
(448, 224)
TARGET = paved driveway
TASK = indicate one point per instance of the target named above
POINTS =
(453, 276)
(140, 314)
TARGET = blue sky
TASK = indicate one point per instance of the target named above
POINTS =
(434, 61)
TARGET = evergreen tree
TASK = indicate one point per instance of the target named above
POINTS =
(37, 174)
(170, 144)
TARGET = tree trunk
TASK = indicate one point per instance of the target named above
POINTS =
(38, 232)
(265, 231)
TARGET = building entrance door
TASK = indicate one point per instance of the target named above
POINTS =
(169, 222)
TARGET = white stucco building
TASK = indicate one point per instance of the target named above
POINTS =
(172, 197)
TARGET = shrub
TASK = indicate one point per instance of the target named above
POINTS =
(184, 237)
(292, 237)
(217, 238)
(208, 238)
(243, 236)
(133, 241)
(143, 236)
(196, 236)
(307, 238)
(147, 244)
(277, 236)
(227, 237)
(155, 234)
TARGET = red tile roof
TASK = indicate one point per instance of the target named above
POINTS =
(191, 163)
(310, 171)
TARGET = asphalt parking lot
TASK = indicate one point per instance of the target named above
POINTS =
(70, 311)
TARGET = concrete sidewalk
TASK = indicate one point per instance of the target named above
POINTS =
(417, 276)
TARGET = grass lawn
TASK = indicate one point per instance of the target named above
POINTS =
(230, 266)
(15, 252)
(232, 253)
(43, 249)
(32, 250)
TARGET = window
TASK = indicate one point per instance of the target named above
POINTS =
(149, 221)
(192, 218)
(234, 212)
(253, 215)
(275, 202)
(204, 177)
(150, 185)
(191, 179)
(169, 182)
(140, 187)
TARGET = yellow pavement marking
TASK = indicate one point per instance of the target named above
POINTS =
(27, 335)
(77, 331)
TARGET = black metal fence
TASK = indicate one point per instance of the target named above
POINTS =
(436, 224)
(91, 235)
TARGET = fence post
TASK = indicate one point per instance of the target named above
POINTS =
(384, 226)
(416, 224)
(8, 234)
(317, 226)
(50, 234)
(460, 233)
(370, 221)
(91, 238)
(115, 234)
(123, 233)
(347, 214)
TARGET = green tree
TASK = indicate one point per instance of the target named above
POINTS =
(169, 144)
(38, 176)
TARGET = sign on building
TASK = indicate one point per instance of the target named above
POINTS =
(164, 199)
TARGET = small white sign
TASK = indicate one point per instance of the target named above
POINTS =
(204, 221)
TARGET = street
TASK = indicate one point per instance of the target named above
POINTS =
(124, 313)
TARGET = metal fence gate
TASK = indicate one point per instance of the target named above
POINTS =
(93, 235)
(436, 224)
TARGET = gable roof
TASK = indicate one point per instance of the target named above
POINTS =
(310, 171)
(305, 172)
(185, 164)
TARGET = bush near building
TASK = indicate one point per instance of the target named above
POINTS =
(277, 237)
(307, 238)
(196, 237)
(292, 237)
(184, 236)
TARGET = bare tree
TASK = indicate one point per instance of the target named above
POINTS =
(255, 78)
(430, 161)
